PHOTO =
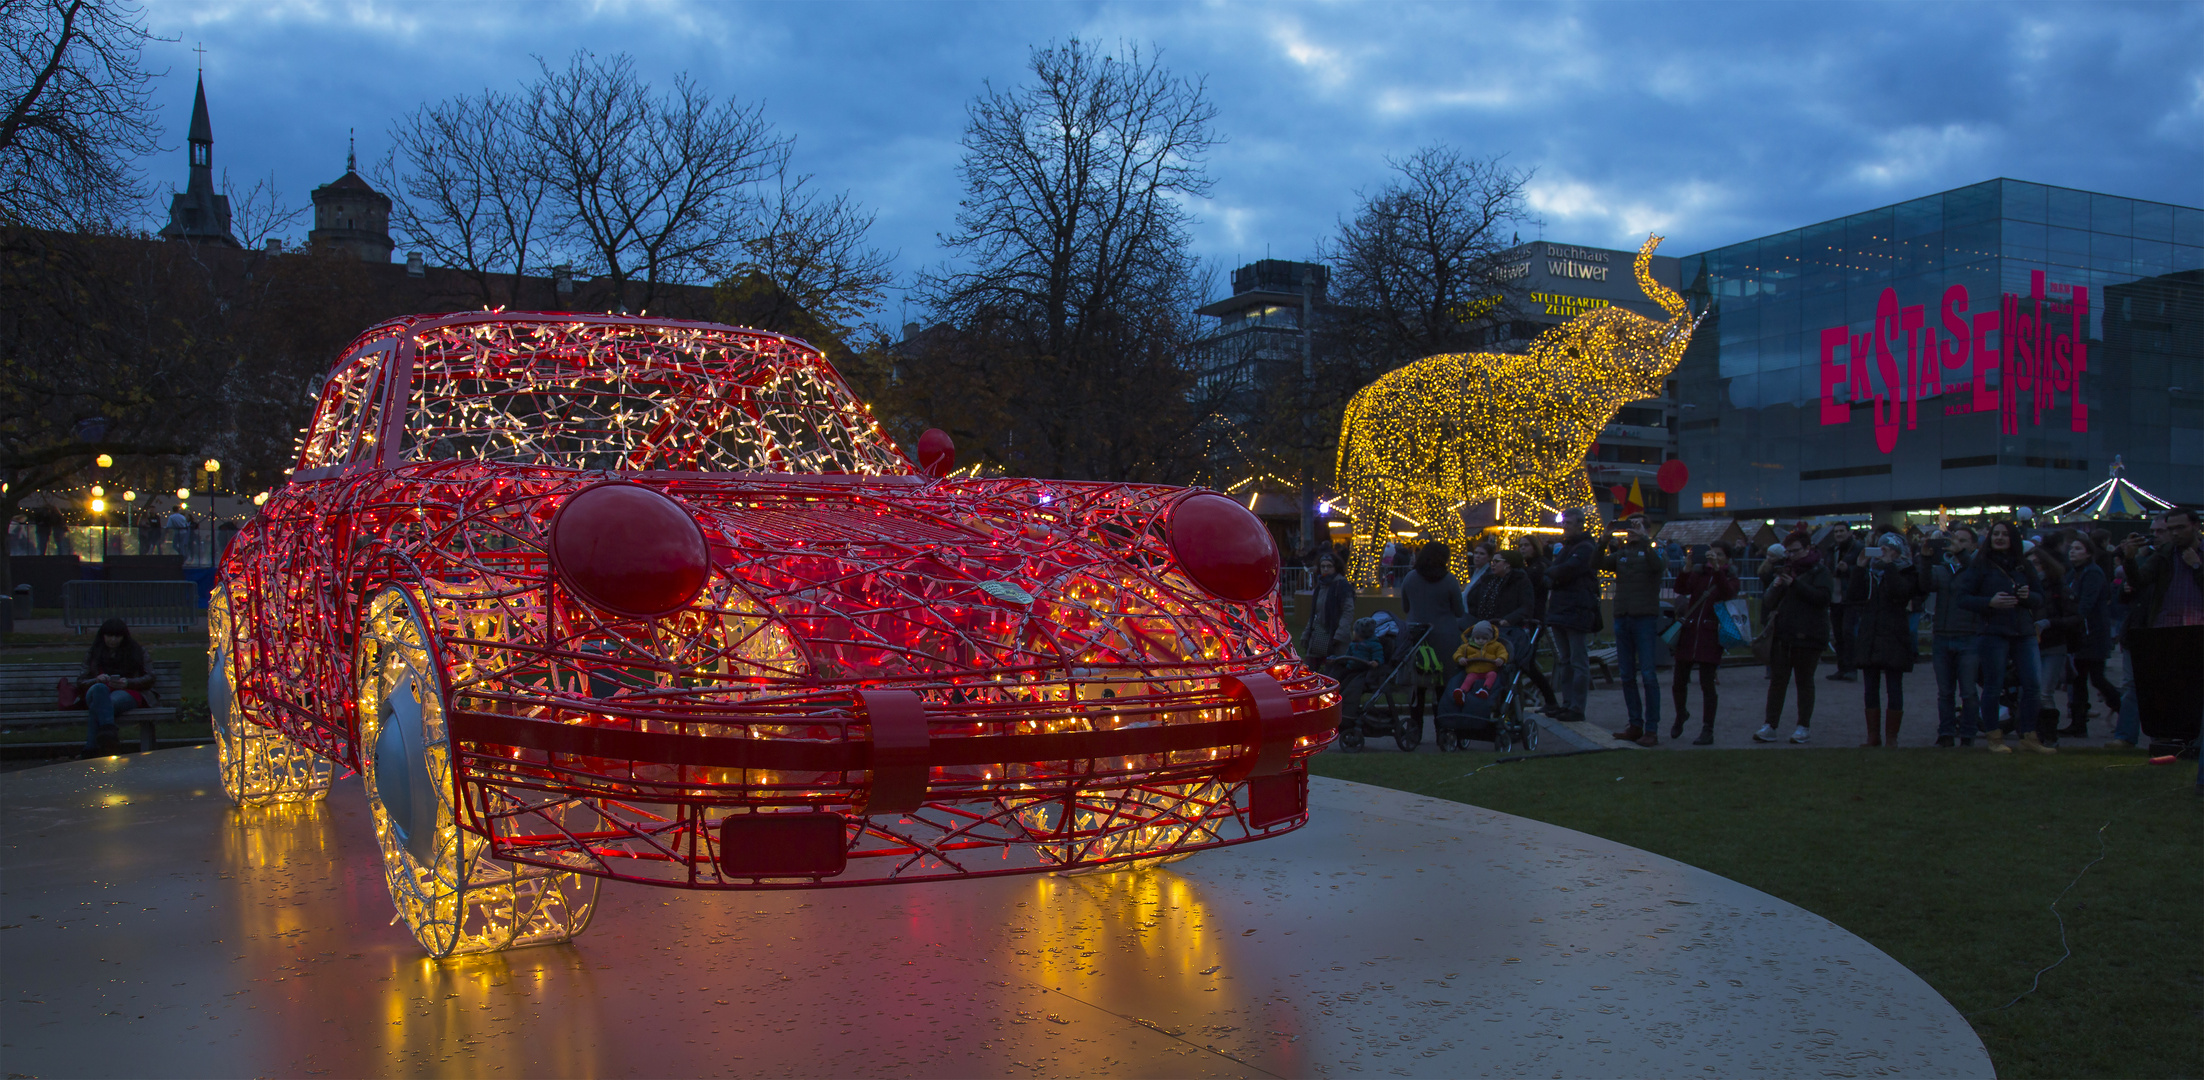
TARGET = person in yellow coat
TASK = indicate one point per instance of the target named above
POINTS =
(1479, 658)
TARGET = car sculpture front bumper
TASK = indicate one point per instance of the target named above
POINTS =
(887, 785)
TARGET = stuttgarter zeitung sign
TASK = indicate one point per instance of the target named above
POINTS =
(2025, 353)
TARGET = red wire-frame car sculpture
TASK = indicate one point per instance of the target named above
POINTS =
(588, 597)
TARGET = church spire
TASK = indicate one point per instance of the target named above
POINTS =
(202, 131)
(351, 150)
(199, 212)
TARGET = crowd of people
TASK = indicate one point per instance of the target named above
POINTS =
(2016, 619)
(42, 530)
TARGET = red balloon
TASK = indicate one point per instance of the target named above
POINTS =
(1673, 476)
(936, 453)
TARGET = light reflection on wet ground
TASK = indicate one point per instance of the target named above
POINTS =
(154, 930)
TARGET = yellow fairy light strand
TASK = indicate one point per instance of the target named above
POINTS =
(1464, 428)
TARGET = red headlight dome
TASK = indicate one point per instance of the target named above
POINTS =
(629, 550)
(1223, 547)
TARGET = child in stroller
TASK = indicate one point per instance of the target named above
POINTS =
(1374, 682)
(1485, 700)
(1365, 655)
(1480, 658)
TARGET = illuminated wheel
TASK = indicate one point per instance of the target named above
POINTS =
(450, 893)
(1111, 825)
(259, 765)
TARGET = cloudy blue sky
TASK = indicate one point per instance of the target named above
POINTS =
(1710, 123)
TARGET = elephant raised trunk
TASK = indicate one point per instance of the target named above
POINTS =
(1465, 428)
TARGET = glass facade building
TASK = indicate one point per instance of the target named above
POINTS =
(1998, 344)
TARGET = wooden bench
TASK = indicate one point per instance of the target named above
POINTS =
(27, 699)
(1607, 659)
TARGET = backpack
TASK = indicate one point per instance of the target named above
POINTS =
(1430, 670)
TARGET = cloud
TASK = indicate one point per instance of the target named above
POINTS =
(1619, 215)
(1329, 64)
(1916, 151)
(1713, 125)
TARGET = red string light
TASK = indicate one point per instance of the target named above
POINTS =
(1082, 699)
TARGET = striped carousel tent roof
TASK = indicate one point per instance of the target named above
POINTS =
(2115, 498)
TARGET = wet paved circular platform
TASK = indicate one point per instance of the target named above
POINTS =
(152, 929)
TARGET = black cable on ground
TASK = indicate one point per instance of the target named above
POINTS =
(2066, 949)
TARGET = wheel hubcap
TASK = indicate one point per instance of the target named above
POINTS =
(402, 772)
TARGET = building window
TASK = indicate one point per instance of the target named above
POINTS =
(1713, 500)
(1839, 474)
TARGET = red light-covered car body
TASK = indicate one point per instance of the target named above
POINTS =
(694, 620)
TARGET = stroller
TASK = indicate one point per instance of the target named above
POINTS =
(1499, 718)
(1379, 701)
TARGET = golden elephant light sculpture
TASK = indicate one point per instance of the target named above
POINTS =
(1459, 429)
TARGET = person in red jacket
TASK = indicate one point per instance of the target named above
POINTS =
(1700, 592)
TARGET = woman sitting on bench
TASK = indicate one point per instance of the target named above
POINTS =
(116, 679)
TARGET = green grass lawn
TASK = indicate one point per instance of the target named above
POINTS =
(1947, 860)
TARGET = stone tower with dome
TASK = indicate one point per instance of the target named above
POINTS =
(351, 216)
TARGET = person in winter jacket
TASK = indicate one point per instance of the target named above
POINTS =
(1883, 585)
(1797, 601)
(1508, 599)
(1639, 569)
(115, 679)
(1838, 552)
(1500, 594)
(1572, 610)
(1951, 640)
(2170, 585)
(1700, 590)
(2089, 589)
(2058, 627)
(1331, 613)
(2005, 591)
(1433, 600)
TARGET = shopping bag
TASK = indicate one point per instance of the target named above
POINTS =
(1733, 620)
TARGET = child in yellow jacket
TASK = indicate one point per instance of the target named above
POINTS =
(1480, 658)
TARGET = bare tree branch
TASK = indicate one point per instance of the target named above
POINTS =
(649, 187)
(468, 190)
(1415, 271)
(78, 110)
(1073, 243)
(258, 213)
(810, 247)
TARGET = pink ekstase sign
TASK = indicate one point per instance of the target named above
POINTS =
(2035, 346)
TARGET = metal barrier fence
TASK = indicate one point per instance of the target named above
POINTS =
(86, 604)
(1301, 579)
